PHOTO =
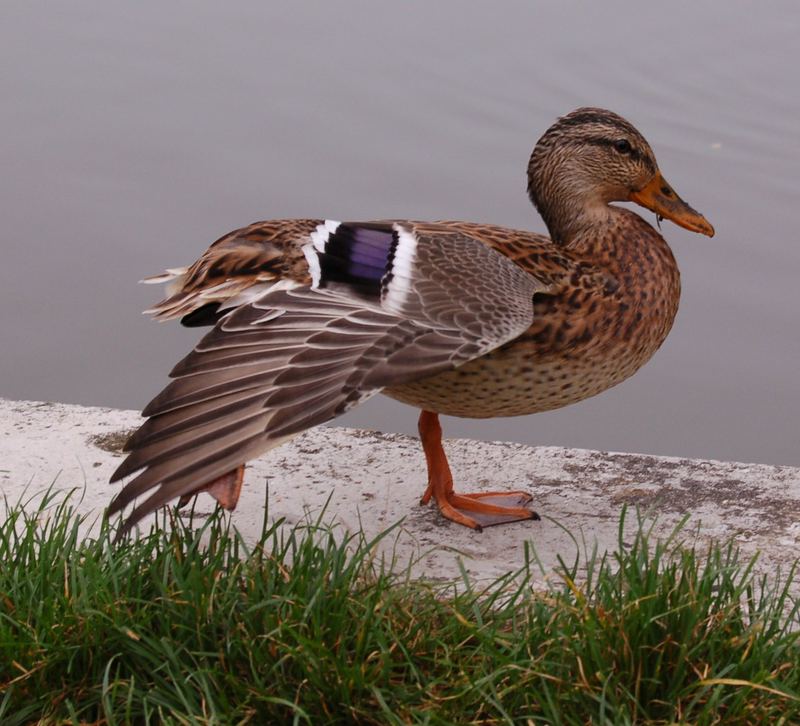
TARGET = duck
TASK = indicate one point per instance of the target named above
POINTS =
(311, 317)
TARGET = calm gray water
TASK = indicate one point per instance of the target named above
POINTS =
(134, 134)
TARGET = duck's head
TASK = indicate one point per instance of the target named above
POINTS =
(591, 157)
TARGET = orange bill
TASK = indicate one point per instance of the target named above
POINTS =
(660, 197)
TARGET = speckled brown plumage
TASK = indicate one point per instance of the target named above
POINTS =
(611, 304)
(311, 317)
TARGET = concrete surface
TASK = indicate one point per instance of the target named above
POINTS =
(376, 479)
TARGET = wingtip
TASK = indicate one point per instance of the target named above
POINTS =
(169, 274)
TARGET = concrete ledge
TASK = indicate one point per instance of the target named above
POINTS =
(376, 480)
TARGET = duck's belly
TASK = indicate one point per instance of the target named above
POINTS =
(515, 382)
(506, 383)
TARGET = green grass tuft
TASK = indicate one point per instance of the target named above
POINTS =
(191, 626)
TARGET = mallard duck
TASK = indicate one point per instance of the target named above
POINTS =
(311, 317)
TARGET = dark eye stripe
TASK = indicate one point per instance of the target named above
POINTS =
(634, 153)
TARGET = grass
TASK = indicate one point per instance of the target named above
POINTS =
(192, 626)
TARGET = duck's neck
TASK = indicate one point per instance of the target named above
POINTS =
(566, 227)
(566, 208)
(620, 236)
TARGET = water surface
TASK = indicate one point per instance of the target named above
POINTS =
(135, 134)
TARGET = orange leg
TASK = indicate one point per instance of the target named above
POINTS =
(486, 508)
(225, 489)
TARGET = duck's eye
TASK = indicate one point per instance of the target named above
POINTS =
(623, 146)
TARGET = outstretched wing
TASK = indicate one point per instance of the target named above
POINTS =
(386, 306)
